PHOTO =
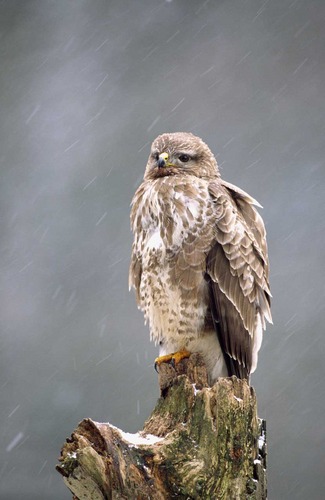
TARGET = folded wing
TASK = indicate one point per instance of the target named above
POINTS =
(237, 268)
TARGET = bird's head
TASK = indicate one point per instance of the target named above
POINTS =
(180, 153)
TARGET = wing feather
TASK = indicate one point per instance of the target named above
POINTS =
(237, 265)
(135, 272)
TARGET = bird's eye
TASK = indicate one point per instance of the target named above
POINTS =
(184, 158)
(155, 156)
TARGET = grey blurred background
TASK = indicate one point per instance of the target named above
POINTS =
(85, 87)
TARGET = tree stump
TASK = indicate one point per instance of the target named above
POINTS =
(199, 442)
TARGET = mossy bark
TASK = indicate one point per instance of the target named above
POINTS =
(211, 446)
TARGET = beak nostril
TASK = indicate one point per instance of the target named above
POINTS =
(162, 160)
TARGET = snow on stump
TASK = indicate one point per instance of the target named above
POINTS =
(199, 442)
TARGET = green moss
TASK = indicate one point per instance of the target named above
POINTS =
(70, 463)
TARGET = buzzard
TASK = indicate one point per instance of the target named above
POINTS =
(199, 261)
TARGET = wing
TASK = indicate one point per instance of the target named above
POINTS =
(237, 266)
(135, 269)
(135, 272)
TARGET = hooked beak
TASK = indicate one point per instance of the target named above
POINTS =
(162, 160)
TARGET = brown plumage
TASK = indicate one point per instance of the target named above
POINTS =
(199, 260)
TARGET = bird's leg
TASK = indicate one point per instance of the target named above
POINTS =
(174, 358)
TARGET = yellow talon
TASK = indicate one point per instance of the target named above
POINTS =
(179, 355)
(174, 358)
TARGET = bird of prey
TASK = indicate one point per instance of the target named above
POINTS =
(199, 261)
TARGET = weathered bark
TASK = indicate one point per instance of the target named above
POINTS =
(199, 442)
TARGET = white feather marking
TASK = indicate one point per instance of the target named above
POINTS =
(193, 208)
(257, 341)
(155, 241)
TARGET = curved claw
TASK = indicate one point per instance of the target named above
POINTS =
(173, 358)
